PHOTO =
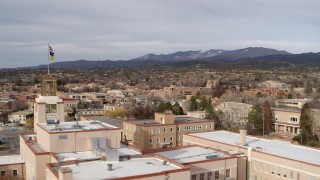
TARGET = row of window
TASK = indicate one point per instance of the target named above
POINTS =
(165, 130)
(210, 175)
(3, 173)
(158, 140)
(277, 170)
(158, 130)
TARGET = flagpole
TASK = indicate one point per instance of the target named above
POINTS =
(48, 59)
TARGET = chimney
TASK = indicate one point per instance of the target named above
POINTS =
(243, 134)
(109, 167)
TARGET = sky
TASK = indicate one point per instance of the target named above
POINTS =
(126, 29)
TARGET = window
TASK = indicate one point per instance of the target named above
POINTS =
(194, 177)
(15, 172)
(178, 138)
(157, 131)
(291, 174)
(150, 140)
(202, 176)
(227, 173)
(171, 138)
(284, 173)
(138, 139)
(164, 130)
(171, 129)
(209, 175)
(178, 128)
(158, 140)
(164, 139)
(293, 119)
(61, 137)
(3, 173)
(272, 169)
(298, 176)
(138, 129)
(150, 131)
(216, 175)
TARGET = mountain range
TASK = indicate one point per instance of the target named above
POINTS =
(251, 57)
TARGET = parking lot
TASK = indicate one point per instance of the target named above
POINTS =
(13, 140)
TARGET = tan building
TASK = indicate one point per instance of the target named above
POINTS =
(267, 159)
(20, 116)
(165, 131)
(197, 114)
(291, 103)
(287, 120)
(12, 167)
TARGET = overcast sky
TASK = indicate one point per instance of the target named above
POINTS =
(121, 30)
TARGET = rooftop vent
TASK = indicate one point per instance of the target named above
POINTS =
(149, 163)
(214, 156)
(109, 167)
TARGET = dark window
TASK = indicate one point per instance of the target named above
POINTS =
(15, 172)
(202, 176)
(227, 173)
(216, 175)
(3, 173)
(194, 177)
(209, 175)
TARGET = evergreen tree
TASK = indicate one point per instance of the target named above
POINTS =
(193, 106)
(306, 124)
(209, 107)
(177, 109)
(203, 104)
(255, 118)
(164, 106)
(308, 89)
(267, 117)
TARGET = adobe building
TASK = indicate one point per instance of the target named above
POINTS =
(165, 130)
(267, 158)
(48, 106)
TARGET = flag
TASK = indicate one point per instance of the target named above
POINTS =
(51, 54)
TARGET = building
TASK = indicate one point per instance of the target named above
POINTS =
(165, 130)
(11, 167)
(291, 103)
(70, 102)
(197, 114)
(267, 158)
(208, 163)
(287, 120)
(234, 112)
(20, 116)
(48, 106)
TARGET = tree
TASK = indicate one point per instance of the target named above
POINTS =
(305, 124)
(163, 106)
(203, 104)
(308, 89)
(209, 107)
(177, 109)
(29, 122)
(193, 106)
(267, 117)
(255, 118)
(142, 112)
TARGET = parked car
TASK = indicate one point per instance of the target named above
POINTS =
(3, 139)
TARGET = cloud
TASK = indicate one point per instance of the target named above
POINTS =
(125, 29)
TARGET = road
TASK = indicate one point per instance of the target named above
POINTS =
(13, 139)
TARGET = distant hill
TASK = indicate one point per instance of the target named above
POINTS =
(248, 58)
(250, 52)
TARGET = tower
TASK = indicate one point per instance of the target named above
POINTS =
(49, 86)
(48, 105)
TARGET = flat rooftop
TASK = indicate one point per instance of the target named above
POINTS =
(191, 154)
(76, 126)
(106, 119)
(10, 159)
(133, 167)
(274, 147)
(177, 120)
(84, 155)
